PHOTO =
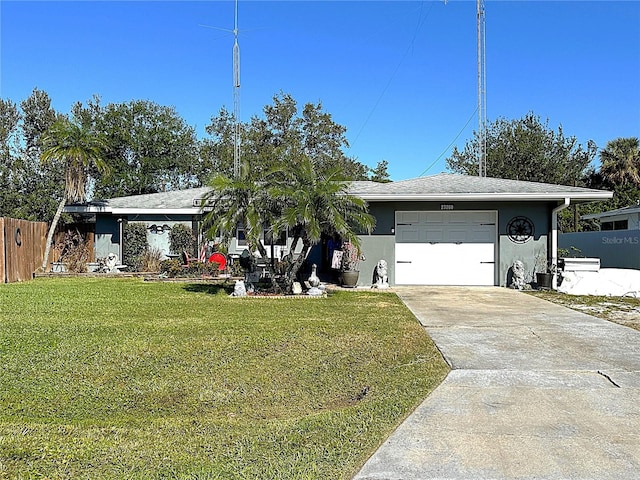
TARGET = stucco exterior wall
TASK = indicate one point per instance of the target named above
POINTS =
(107, 238)
(532, 252)
(614, 248)
(380, 244)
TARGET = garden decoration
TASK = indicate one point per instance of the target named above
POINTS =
(314, 282)
(517, 270)
(380, 275)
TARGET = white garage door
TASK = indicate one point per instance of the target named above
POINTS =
(446, 248)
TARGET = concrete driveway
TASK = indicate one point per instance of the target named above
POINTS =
(536, 391)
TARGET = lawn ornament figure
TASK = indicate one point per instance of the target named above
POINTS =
(110, 264)
(314, 282)
(380, 275)
(239, 289)
(517, 282)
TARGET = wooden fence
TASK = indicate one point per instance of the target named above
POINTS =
(22, 245)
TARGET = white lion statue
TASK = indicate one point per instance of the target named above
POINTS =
(517, 281)
(380, 275)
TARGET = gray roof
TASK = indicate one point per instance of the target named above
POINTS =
(162, 200)
(448, 186)
(441, 187)
(613, 213)
(174, 201)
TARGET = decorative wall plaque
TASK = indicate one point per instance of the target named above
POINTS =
(520, 229)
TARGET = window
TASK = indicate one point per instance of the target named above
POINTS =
(269, 239)
(615, 225)
(241, 236)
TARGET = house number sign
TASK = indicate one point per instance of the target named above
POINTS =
(446, 206)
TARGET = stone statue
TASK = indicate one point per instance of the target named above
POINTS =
(239, 289)
(517, 282)
(110, 264)
(380, 275)
(314, 282)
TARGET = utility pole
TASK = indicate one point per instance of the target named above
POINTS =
(236, 97)
(482, 93)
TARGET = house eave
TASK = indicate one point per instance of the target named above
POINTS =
(132, 211)
(488, 197)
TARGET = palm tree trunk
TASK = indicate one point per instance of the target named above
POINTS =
(294, 268)
(269, 265)
(52, 229)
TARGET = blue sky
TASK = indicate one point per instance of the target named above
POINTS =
(401, 76)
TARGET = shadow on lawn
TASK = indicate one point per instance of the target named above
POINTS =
(209, 288)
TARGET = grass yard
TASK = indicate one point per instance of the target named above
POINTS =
(622, 310)
(120, 378)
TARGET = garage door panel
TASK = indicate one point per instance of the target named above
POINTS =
(435, 234)
(434, 217)
(446, 248)
(409, 217)
(408, 234)
(457, 234)
(484, 234)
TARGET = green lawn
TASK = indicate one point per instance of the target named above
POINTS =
(116, 378)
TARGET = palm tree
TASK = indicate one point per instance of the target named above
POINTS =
(620, 162)
(239, 201)
(233, 202)
(314, 204)
(76, 148)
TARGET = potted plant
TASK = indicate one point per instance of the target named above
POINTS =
(351, 257)
(544, 279)
(544, 271)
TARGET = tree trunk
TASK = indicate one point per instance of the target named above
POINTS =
(52, 229)
(294, 267)
(270, 267)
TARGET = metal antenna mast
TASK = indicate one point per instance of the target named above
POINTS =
(236, 97)
(482, 93)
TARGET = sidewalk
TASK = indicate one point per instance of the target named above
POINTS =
(536, 391)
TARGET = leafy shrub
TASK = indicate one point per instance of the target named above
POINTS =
(171, 268)
(134, 245)
(174, 268)
(181, 239)
(203, 268)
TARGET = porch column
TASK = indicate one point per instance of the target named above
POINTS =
(554, 240)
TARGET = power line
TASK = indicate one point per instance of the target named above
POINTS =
(452, 142)
(421, 20)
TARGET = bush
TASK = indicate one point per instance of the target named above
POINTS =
(75, 252)
(171, 268)
(181, 239)
(174, 268)
(151, 260)
(196, 269)
(135, 245)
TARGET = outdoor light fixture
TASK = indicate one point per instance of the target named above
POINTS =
(159, 229)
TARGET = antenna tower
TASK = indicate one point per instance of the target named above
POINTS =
(482, 93)
(236, 97)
